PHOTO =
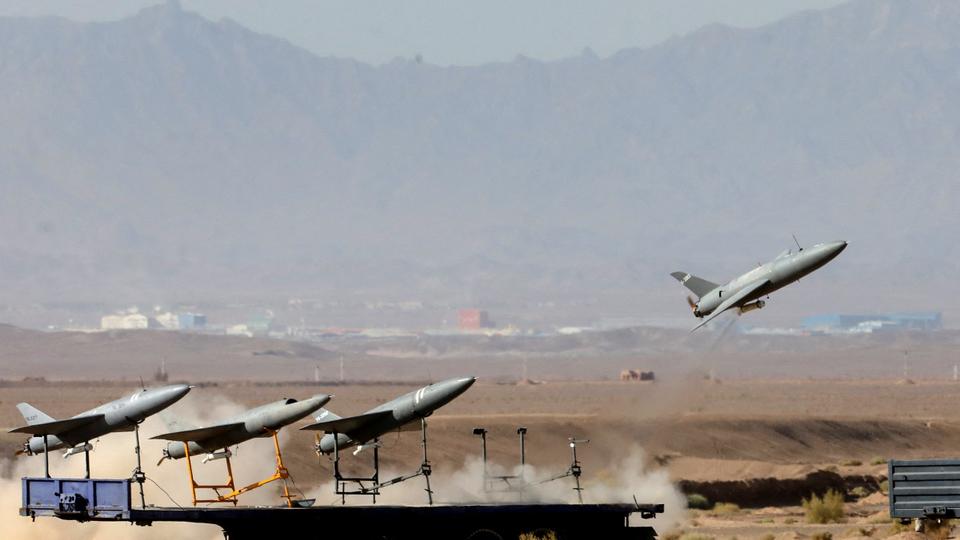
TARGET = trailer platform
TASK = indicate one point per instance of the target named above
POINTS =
(109, 500)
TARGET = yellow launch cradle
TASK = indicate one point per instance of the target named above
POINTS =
(280, 473)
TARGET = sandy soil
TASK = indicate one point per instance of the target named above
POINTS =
(745, 431)
(672, 354)
(697, 429)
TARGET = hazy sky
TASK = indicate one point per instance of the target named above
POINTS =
(453, 31)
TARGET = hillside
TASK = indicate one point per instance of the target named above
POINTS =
(166, 157)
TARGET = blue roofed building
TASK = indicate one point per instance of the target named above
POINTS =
(846, 323)
(918, 321)
(191, 321)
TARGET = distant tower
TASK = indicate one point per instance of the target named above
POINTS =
(316, 374)
(161, 374)
(341, 370)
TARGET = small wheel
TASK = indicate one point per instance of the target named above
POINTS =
(484, 534)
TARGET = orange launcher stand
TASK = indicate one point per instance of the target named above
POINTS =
(281, 473)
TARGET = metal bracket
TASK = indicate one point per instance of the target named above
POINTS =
(372, 490)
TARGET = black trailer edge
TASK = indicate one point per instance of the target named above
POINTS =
(109, 500)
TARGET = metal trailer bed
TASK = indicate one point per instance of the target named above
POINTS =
(109, 500)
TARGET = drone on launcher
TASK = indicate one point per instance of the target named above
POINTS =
(408, 412)
(75, 434)
(215, 441)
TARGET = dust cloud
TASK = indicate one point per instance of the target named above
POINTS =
(618, 483)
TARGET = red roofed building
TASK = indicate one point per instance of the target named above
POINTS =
(474, 319)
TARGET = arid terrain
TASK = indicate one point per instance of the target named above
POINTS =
(674, 354)
(757, 445)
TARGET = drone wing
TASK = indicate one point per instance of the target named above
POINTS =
(351, 424)
(201, 434)
(733, 301)
(58, 427)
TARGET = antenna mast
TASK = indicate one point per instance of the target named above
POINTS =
(799, 247)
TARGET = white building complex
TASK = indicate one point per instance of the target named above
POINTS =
(127, 321)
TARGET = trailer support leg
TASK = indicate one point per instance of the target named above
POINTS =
(138, 475)
(425, 468)
(281, 473)
(194, 485)
(46, 457)
(86, 459)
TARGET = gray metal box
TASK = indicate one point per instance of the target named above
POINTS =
(924, 488)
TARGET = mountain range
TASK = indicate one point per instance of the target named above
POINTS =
(166, 157)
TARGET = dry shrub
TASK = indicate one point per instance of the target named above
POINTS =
(896, 527)
(545, 535)
(821, 536)
(859, 531)
(937, 529)
(725, 509)
(826, 509)
(695, 536)
(698, 502)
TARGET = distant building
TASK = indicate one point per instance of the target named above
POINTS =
(238, 330)
(129, 321)
(838, 323)
(918, 321)
(260, 325)
(474, 319)
(637, 375)
(573, 330)
(191, 321)
(168, 320)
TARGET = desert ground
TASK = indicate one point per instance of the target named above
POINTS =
(754, 447)
(761, 445)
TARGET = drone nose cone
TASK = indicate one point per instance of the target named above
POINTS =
(316, 401)
(174, 392)
(832, 249)
(439, 394)
(454, 387)
(460, 386)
